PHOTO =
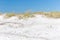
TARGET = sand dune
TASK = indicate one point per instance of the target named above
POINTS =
(39, 27)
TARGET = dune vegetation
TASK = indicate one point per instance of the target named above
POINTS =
(27, 15)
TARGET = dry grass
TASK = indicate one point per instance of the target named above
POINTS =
(27, 15)
(20, 16)
(53, 15)
(9, 15)
(50, 14)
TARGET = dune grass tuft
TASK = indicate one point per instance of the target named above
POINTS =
(9, 15)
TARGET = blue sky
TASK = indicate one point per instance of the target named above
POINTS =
(32, 5)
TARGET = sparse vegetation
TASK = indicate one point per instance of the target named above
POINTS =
(20, 16)
(27, 15)
(53, 15)
(50, 14)
(9, 15)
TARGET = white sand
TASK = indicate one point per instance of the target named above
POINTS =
(37, 28)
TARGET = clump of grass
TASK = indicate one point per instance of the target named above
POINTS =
(39, 13)
(49, 14)
(53, 15)
(27, 15)
(9, 15)
(20, 16)
(23, 16)
(56, 14)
